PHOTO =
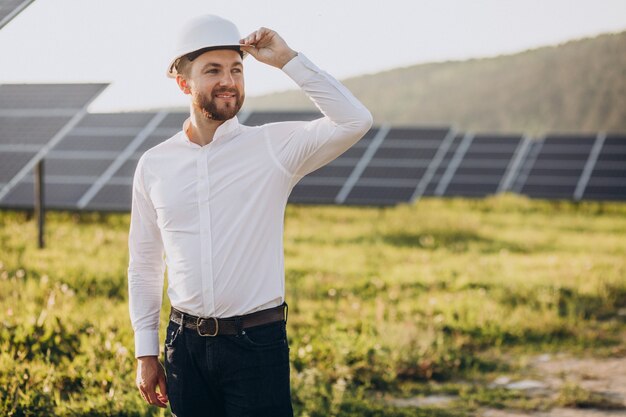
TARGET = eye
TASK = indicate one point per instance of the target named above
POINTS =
(237, 70)
(211, 71)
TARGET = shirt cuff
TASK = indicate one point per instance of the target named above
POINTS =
(146, 343)
(300, 69)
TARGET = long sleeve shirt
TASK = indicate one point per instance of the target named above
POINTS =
(214, 214)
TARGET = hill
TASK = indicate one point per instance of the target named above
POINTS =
(578, 86)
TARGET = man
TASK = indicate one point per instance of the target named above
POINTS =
(212, 200)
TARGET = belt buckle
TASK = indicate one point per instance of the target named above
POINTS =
(217, 326)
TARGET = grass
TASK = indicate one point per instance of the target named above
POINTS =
(383, 302)
(571, 395)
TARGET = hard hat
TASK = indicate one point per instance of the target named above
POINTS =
(204, 32)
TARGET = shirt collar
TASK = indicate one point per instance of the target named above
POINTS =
(225, 131)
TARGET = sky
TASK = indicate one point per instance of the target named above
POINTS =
(127, 42)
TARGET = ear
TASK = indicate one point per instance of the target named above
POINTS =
(183, 84)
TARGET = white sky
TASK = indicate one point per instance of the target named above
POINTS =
(126, 42)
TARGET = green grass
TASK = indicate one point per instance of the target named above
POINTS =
(415, 299)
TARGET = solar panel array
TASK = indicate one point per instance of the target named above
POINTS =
(34, 120)
(90, 158)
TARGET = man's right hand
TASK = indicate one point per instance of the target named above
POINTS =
(150, 374)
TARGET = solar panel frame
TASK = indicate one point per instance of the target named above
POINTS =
(455, 139)
(527, 164)
(9, 9)
(607, 178)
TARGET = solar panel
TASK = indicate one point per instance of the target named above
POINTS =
(30, 130)
(314, 193)
(90, 159)
(94, 143)
(127, 169)
(56, 196)
(34, 119)
(150, 142)
(114, 192)
(112, 197)
(11, 8)
(12, 162)
(380, 195)
(442, 167)
(483, 165)
(324, 185)
(397, 165)
(106, 121)
(174, 120)
(82, 157)
(147, 123)
(258, 118)
(29, 97)
(530, 156)
(608, 176)
(64, 177)
(557, 166)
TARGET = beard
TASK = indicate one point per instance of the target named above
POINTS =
(209, 108)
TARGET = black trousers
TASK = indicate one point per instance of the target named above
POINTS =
(230, 376)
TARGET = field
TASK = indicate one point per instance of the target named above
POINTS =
(387, 305)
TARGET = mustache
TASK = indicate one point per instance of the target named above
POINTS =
(226, 90)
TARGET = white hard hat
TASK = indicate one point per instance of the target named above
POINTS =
(203, 32)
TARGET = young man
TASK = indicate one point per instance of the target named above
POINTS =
(212, 200)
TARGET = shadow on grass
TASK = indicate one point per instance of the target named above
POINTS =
(453, 240)
(570, 302)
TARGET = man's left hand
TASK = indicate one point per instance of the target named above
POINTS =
(268, 47)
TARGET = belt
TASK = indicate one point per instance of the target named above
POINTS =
(214, 326)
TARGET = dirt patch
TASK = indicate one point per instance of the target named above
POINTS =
(603, 378)
(555, 412)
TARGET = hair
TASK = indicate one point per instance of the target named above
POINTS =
(183, 63)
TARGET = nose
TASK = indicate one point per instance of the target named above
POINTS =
(227, 79)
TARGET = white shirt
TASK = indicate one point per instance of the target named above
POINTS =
(217, 211)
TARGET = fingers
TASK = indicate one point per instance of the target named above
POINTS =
(150, 375)
(257, 37)
(150, 395)
(162, 390)
(268, 47)
(251, 50)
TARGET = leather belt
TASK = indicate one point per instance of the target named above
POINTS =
(214, 326)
